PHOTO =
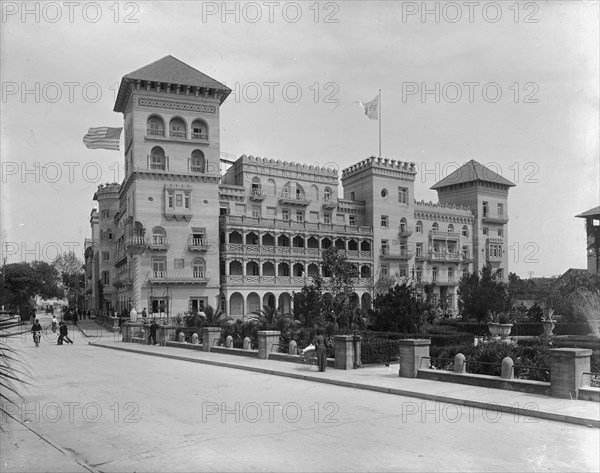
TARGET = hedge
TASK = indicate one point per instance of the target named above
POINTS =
(437, 339)
(531, 329)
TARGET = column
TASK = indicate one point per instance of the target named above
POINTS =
(266, 340)
(347, 352)
(567, 366)
(412, 351)
(136, 296)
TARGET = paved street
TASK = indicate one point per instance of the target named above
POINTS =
(117, 411)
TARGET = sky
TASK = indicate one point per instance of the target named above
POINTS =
(513, 85)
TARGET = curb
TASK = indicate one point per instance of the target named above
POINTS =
(488, 406)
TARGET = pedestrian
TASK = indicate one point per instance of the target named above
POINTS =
(121, 323)
(54, 324)
(36, 330)
(144, 313)
(152, 335)
(64, 334)
(319, 342)
(75, 316)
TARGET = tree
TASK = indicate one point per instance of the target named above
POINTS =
(343, 312)
(481, 293)
(72, 276)
(567, 294)
(24, 281)
(310, 305)
(398, 310)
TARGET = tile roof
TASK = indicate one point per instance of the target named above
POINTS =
(590, 213)
(169, 70)
(470, 172)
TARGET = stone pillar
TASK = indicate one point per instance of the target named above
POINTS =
(229, 342)
(346, 358)
(507, 368)
(133, 315)
(247, 343)
(412, 351)
(136, 295)
(567, 366)
(293, 348)
(266, 340)
(460, 366)
(195, 338)
(209, 335)
(164, 334)
(181, 337)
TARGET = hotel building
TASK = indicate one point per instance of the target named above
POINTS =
(178, 234)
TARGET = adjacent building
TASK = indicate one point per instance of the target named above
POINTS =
(592, 230)
(178, 234)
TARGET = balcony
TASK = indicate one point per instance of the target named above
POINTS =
(198, 244)
(239, 221)
(177, 134)
(299, 281)
(135, 244)
(438, 281)
(178, 277)
(499, 220)
(402, 255)
(290, 199)
(420, 256)
(405, 231)
(230, 249)
(437, 235)
(158, 243)
(328, 204)
(444, 256)
(157, 163)
(257, 195)
(123, 279)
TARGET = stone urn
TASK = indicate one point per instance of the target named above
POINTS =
(494, 330)
(504, 330)
(548, 326)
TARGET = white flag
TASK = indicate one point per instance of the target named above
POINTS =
(372, 108)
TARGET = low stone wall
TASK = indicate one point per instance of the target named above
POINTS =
(521, 385)
(295, 359)
(589, 394)
(189, 346)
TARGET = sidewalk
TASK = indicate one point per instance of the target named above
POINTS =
(386, 380)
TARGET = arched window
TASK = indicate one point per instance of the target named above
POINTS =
(155, 126)
(419, 227)
(199, 130)
(450, 228)
(435, 227)
(157, 159)
(403, 224)
(465, 231)
(198, 266)
(159, 236)
(299, 192)
(177, 128)
(197, 163)
(327, 194)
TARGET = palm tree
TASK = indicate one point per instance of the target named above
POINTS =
(213, 316)
(269, 317)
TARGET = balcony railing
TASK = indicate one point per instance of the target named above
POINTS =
(159, 163)
(403, 255)
(420, 256)
(443, 256)
(258, 222)
(405, 231)
(154, 132)
(257, 194)
(440, 281)
(158, 243)
(437, 235)
(239, 279)
(134, 243)
(196, 166)
(200, 136)
(198, 244)
(293, 199)
(177, 134)
(271, 250)
(178, 277)
(500, 219)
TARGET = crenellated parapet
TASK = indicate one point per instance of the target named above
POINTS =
(381, 166)
(443, 212)
(108, 191)
(273, 168)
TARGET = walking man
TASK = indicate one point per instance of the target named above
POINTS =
(63, 334)
(321, 350)
(152, 335)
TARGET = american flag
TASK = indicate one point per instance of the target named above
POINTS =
(103, 138)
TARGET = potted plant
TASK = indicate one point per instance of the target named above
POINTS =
(548, 322)
(500, 325)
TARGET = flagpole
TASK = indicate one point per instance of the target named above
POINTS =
(379, 123)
